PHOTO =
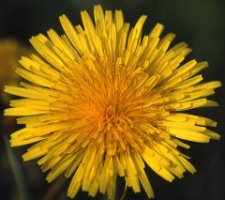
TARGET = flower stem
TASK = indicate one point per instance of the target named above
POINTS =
(55, 190)
(124, 192)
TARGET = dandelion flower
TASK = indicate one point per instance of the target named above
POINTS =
(103, 101)
(10, 51)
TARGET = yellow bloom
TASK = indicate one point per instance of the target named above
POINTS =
(102, 101)
(10, 51)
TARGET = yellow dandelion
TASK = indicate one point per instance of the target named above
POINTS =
(10, 51)
(102, 100)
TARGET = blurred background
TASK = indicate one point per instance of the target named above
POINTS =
(200, 23)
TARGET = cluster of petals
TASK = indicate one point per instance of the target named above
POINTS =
(103, 100)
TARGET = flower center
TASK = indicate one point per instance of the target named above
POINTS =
(110, 118)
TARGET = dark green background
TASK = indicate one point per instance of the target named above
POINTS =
(201, 23)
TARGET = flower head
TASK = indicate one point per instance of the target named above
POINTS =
(102, 100)
(10, 51)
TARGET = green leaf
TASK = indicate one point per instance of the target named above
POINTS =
(17, 172)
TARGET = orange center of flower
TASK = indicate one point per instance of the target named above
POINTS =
(109, 107)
